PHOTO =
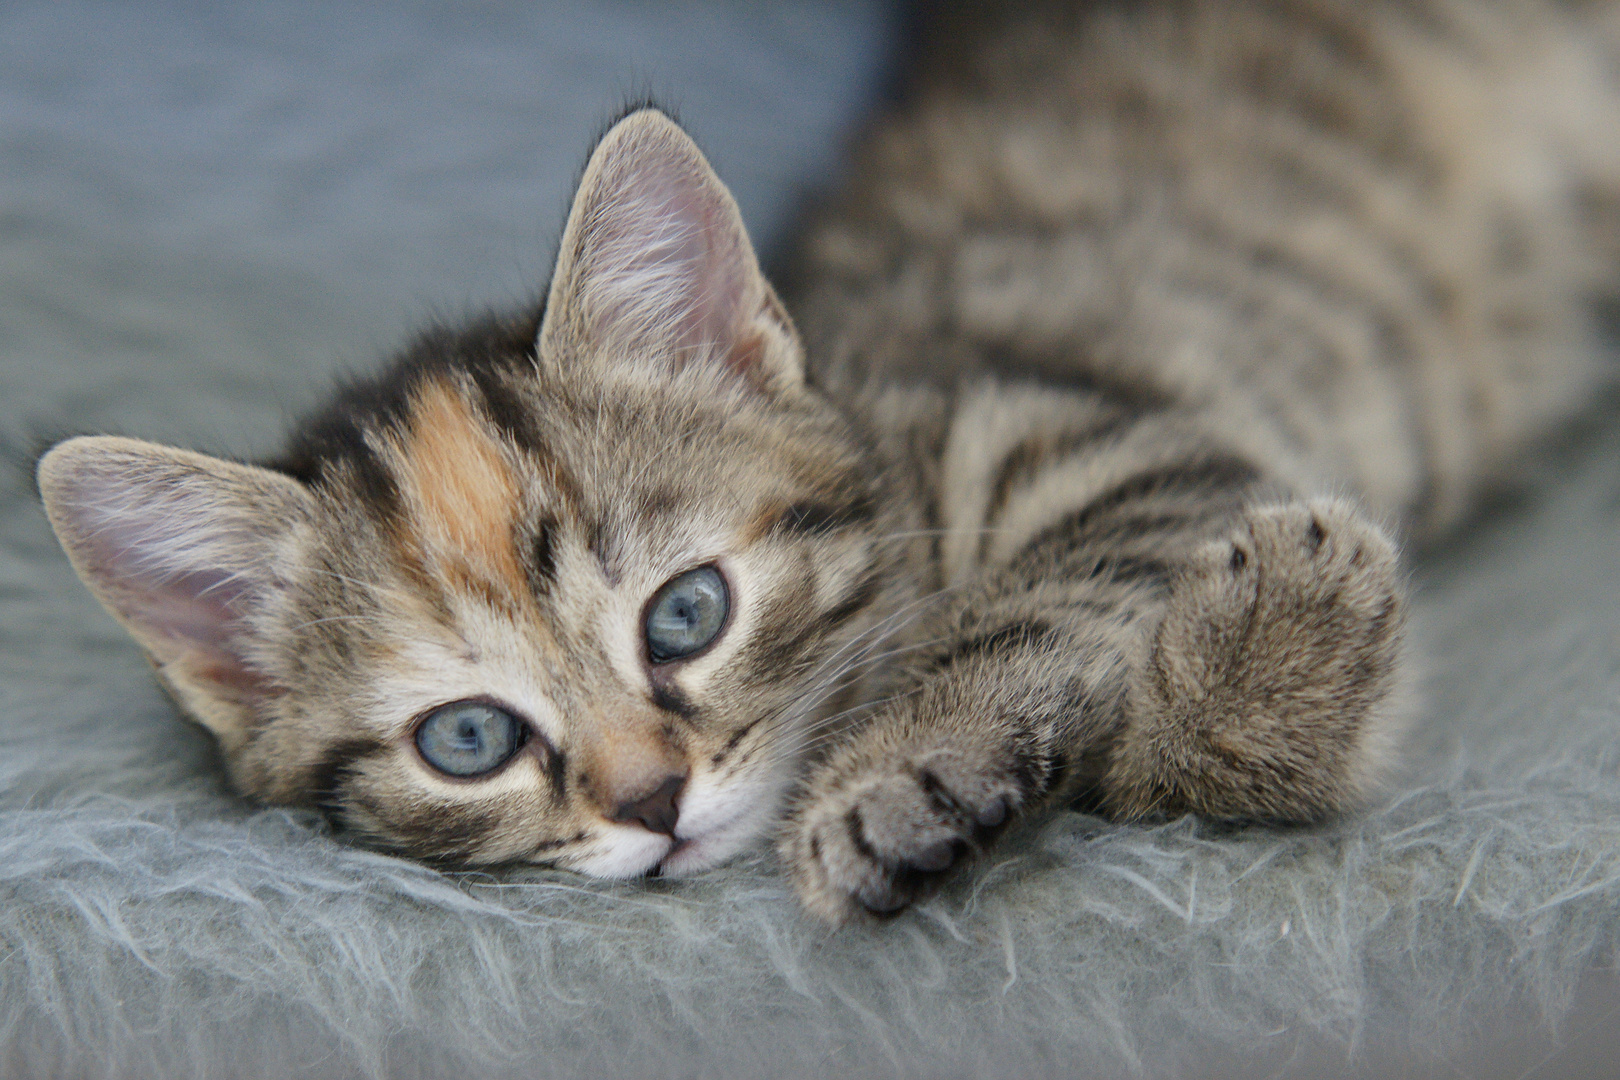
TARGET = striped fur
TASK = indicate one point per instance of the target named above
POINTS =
(1135, 335)
(1216, 297)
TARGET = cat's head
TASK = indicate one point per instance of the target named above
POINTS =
(564, 589)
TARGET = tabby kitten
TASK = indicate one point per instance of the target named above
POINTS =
(1136, 331)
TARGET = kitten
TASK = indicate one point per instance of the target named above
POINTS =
(1134, 335)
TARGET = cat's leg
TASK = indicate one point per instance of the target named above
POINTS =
(1247, 675)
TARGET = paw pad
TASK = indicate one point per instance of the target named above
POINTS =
(880, 842)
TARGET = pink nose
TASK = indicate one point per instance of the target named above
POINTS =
(656, 811)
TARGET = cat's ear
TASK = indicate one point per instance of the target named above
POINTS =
(655, 265)
(180, 548)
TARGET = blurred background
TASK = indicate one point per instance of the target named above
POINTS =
(205, 208)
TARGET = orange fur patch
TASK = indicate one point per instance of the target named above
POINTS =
(463, 492)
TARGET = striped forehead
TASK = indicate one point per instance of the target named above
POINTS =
(464, 484)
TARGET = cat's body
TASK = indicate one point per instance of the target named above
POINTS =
(1358, 238)
(1135, 329)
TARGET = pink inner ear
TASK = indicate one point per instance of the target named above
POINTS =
(666, 264)
(747, 353)
(159, 550)
(194, 617)
(198, 606)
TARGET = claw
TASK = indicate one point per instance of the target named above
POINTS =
(993, 814)
(880, 899)
(935, 857)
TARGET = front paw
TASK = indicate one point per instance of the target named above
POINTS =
(880, 827)
(1267, 693)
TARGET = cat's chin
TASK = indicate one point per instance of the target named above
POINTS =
(691, 856)
(635, 852)
(717, 823)
(716, 843)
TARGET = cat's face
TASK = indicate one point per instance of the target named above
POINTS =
(567, 593)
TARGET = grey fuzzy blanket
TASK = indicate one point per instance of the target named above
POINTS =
(204, 215)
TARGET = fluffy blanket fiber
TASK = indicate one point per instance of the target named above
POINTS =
(205, 213)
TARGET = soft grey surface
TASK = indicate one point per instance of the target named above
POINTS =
(202, 216)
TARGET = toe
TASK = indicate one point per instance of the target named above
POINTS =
(993, 814)
(933, 858)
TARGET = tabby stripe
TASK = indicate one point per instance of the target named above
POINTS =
(1147, 524)
(1011, 638)
(775, 652)
(926, 456)
(668, 697)
(857, 834)
(1059, 368)
(933, 527)
(602, 542)
(857, 601)
(1024, 461)
(544, 555)
(657, 504)
(1216, 472)
(736, 737)
(375, 483)
(335, 767)
(444, 831)
(1130, 568)
(1031, 772)
(504, 407)
(556, 764)
(554, 844)
(818, 518)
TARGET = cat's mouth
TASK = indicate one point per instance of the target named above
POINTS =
(673, 853)
(685, 856)
(711, 847)
(714, 825)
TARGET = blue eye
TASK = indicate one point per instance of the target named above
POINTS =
(468, 738)
(687, 614)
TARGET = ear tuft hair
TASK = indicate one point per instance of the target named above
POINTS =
(180, 548)
(656, 267)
